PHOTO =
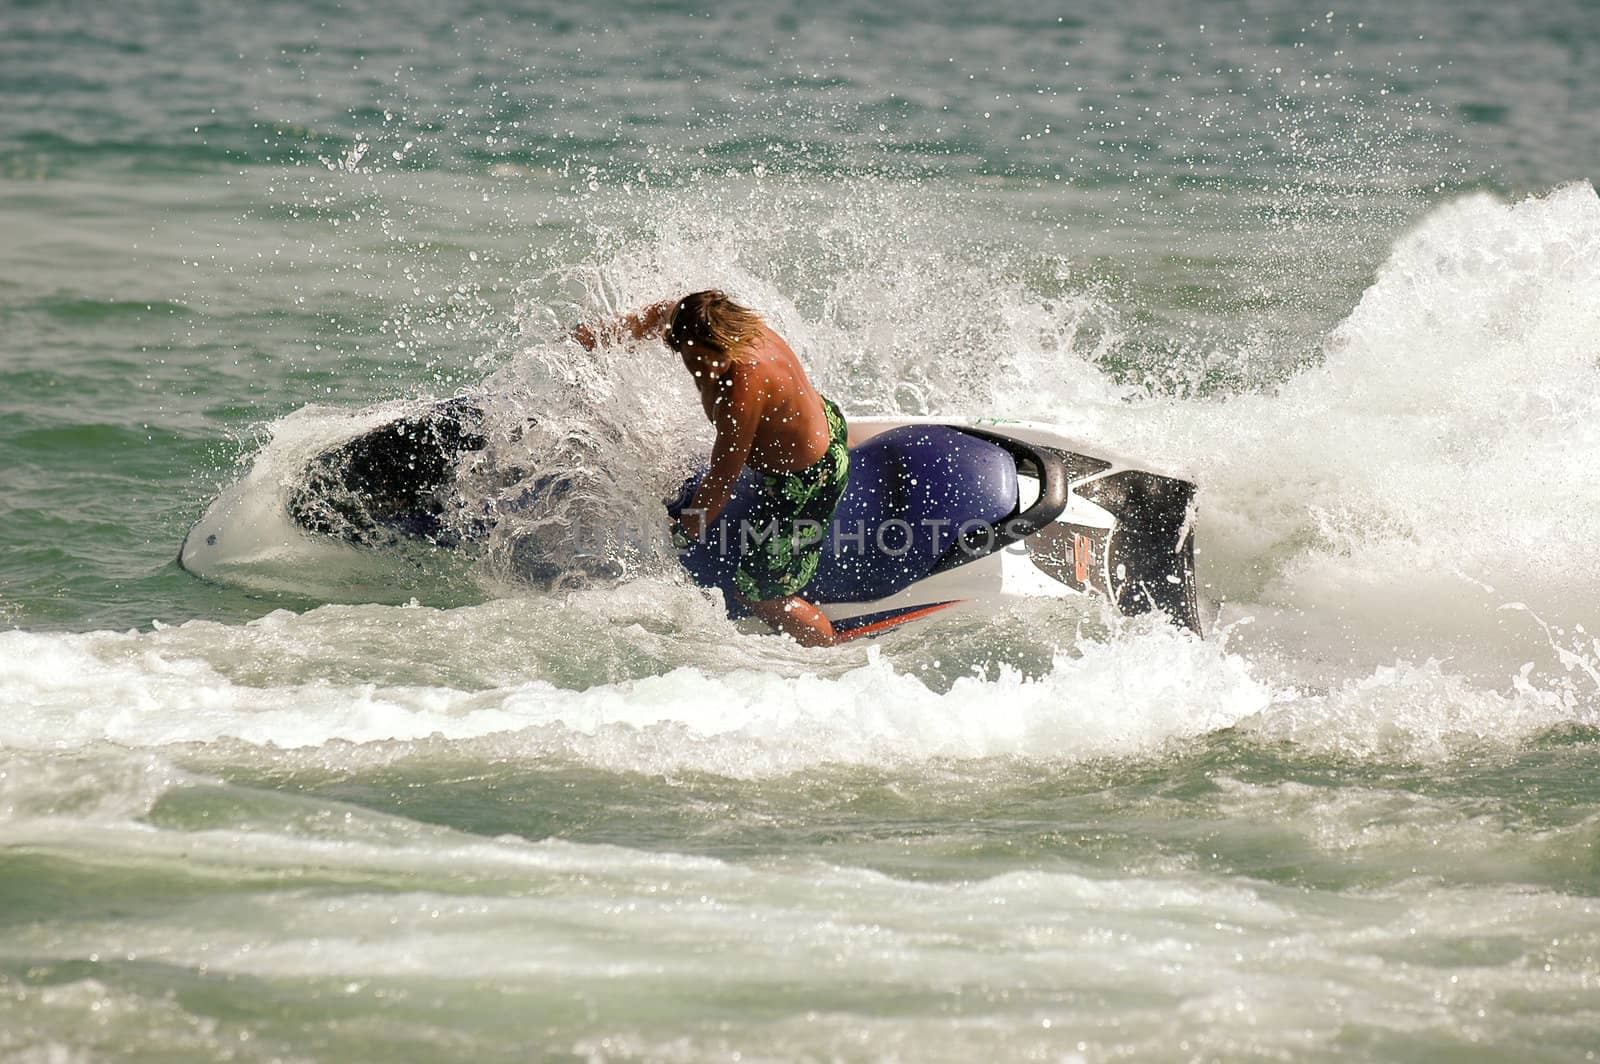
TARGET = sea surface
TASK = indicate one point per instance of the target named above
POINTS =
(1339, 266)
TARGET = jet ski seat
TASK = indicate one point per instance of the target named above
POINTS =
(913, 490)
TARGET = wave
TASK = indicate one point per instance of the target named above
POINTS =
(651, 679)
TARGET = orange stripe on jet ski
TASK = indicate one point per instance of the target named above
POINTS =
(893, 620)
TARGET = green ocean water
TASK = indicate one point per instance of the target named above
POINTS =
(1341, 267)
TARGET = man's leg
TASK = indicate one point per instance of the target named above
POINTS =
(798, 619)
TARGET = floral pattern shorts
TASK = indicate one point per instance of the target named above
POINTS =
(789, 522)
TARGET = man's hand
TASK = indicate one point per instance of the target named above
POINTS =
(638, 324)
(693, 521)
(687, 528)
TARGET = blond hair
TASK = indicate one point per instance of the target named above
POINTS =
(708, 323)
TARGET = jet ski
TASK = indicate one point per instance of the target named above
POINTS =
(940, 514)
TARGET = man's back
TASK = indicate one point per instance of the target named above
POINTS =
(792, 432)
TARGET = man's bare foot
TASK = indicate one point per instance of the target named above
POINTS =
(798, 619)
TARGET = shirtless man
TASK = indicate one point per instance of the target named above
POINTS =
(768, 416)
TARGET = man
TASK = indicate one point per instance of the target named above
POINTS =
(768, 416)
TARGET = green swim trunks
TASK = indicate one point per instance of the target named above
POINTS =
(788, 524)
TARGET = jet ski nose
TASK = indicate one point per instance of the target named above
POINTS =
(197, 554)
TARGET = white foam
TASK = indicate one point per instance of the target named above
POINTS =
(1419, 711)
(749, 705)
(1435, 466)
(742, 712)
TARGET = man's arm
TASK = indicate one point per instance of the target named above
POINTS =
(638, 324)
(738, 413)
